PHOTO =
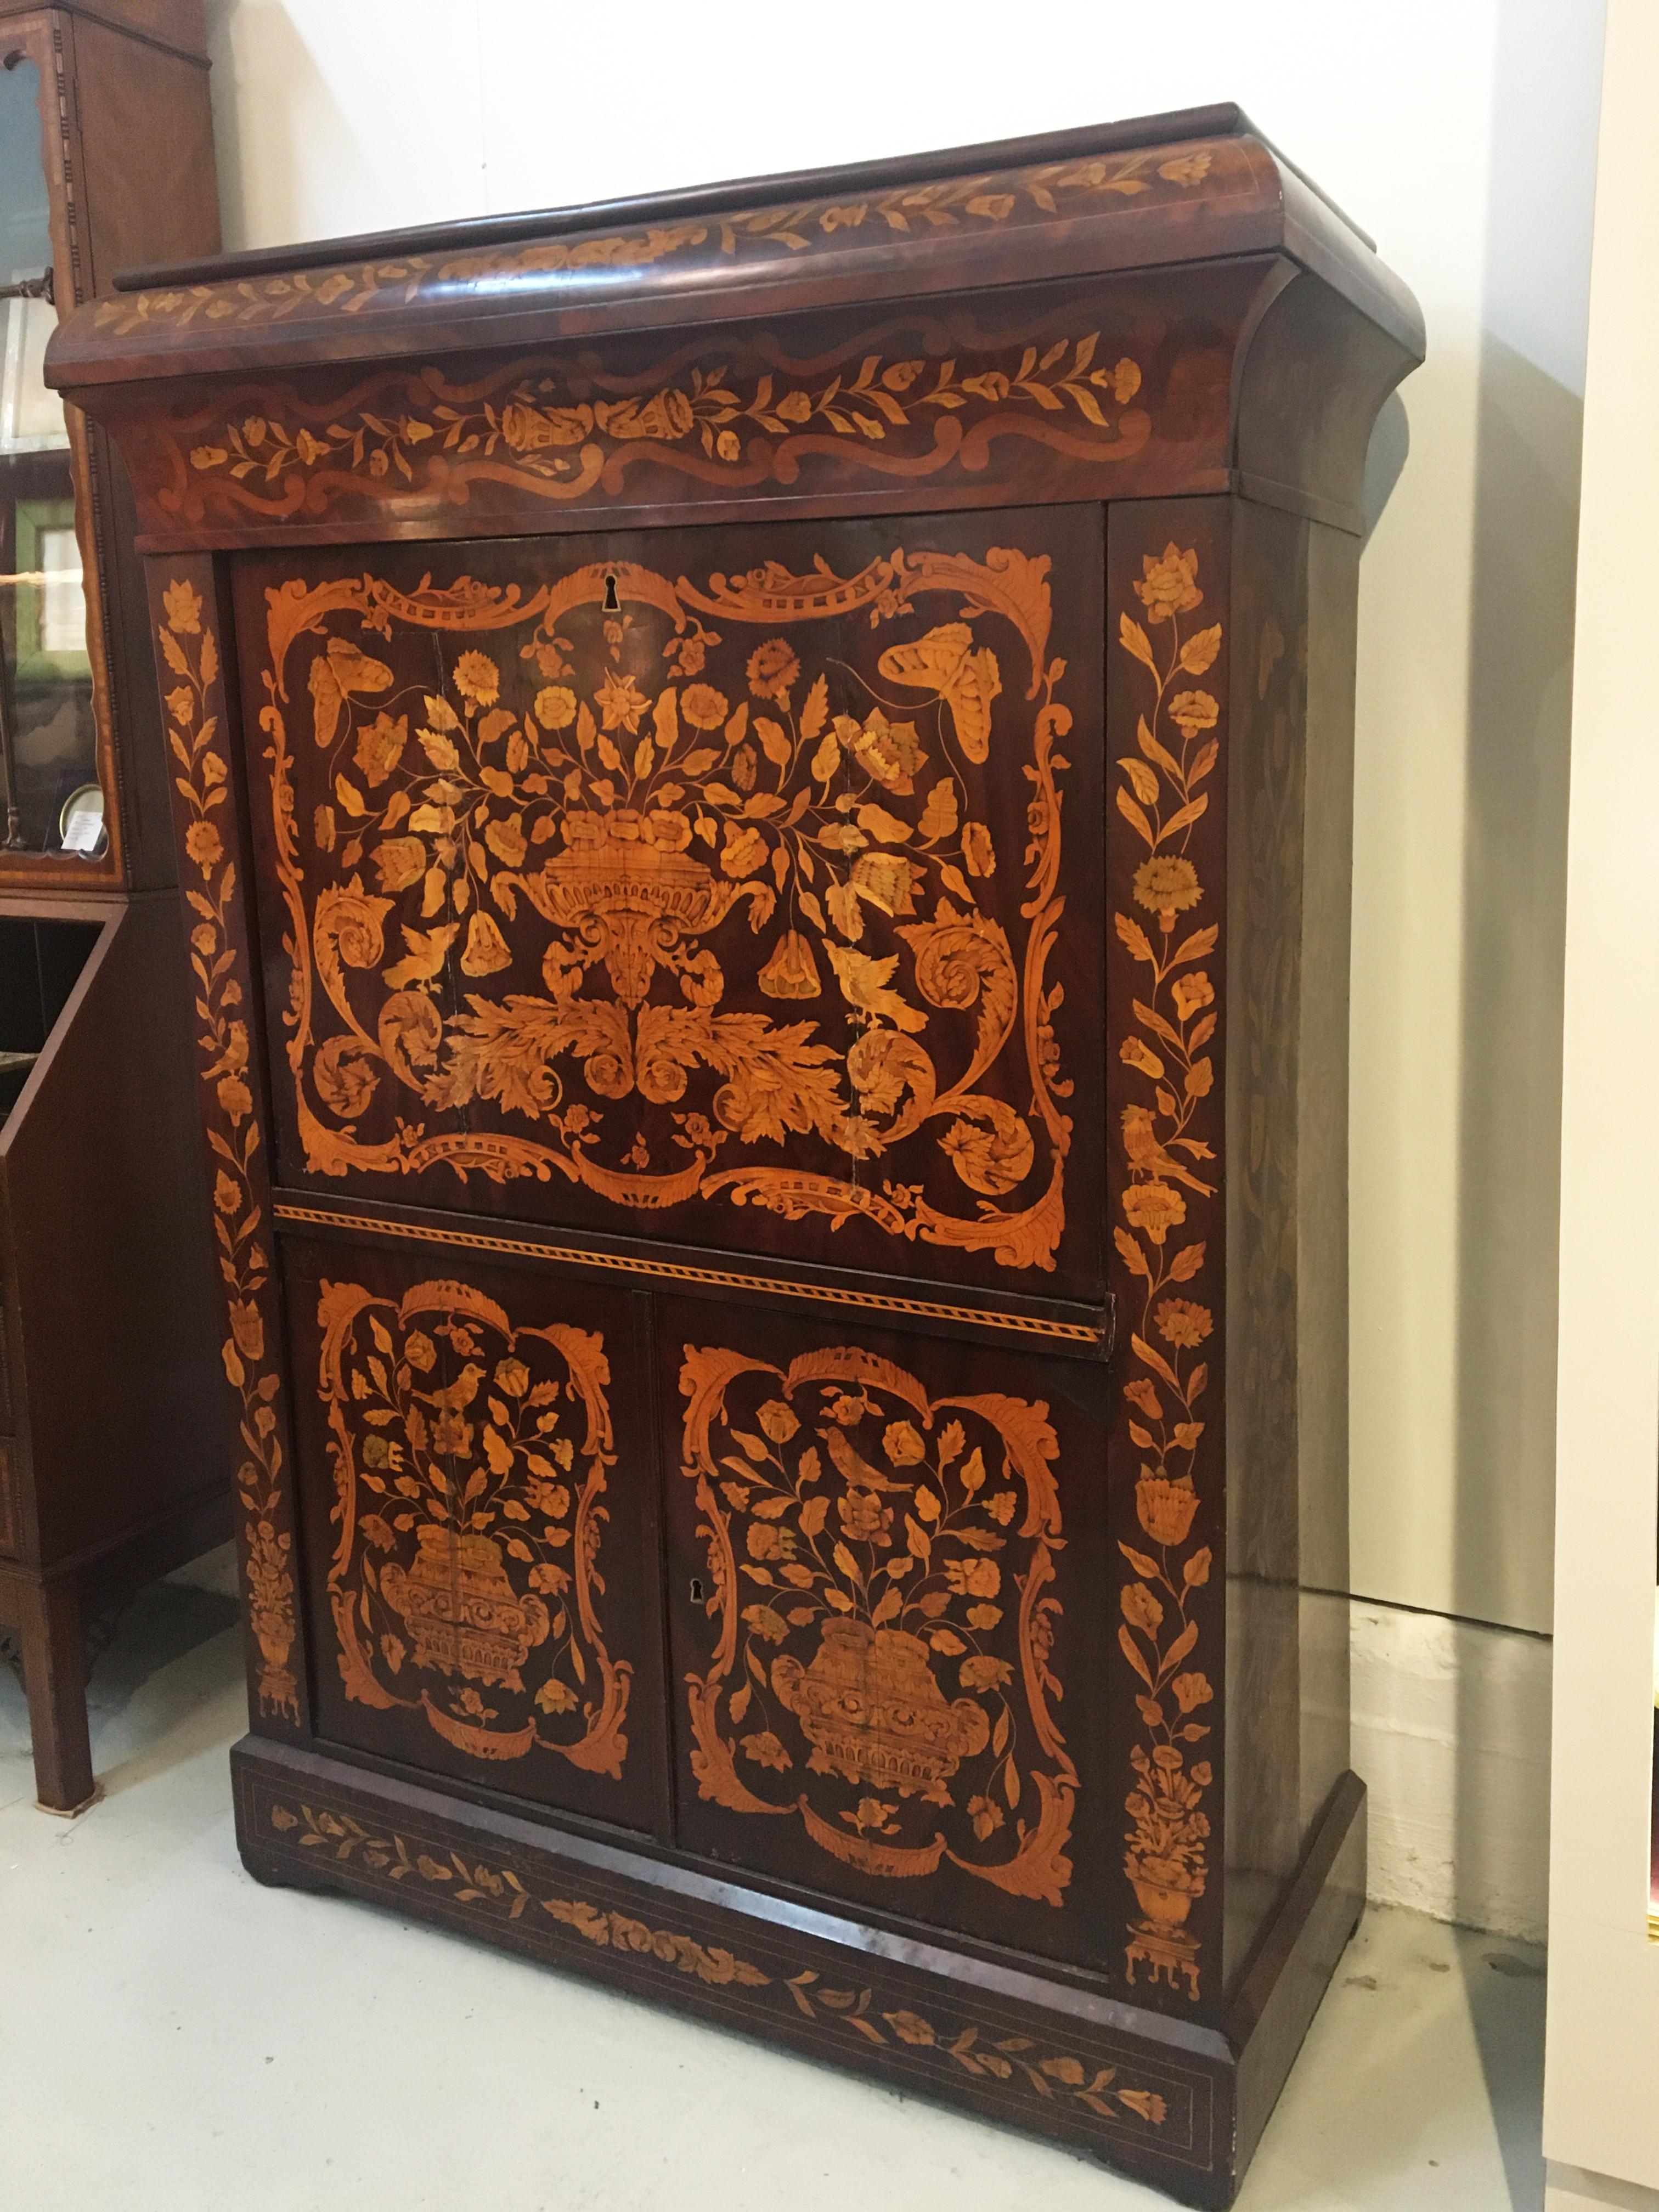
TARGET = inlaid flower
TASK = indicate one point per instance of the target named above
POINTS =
(703, 707)
(1154, 1208)
(1141, 1609)
(773, 668)
(379, 747)
(235, 1100)
(792, 972)
(1192, 711)
(864, 1518)
(1167, 886)
(451, 1435)
(764, 1541)
(667, 830)
(1166, 1509)
(1142, 1394)
(986, 1816)
(621, 702)
(201, 843)
(744, 851)
(1191, 1691)
(478, 678)
(902, 1441)
(1126, 381)
(184, 608)
(972, 1578)
(1169, 585)
(777, 1421)
(765, 1750)
(1180, 1322)
(1191, 991)
(978, 850)
(555, 707)
(247, 1328)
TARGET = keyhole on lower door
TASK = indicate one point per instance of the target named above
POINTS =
(696, 1591)
(612, 605)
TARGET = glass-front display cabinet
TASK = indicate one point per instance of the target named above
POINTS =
(51, 790)
(106, 1474)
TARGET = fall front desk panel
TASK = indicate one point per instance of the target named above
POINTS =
(757, 909)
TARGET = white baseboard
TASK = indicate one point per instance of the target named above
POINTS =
(1570, 2189)
(1451, 1734)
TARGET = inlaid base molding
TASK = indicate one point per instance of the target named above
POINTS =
(1158, 2097)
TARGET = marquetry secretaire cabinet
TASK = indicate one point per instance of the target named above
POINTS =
(763, 777)
(111, 1450)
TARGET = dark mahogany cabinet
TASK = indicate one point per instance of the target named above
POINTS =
(110, 1450)
(763, 783)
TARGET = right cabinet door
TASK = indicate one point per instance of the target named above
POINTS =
(887, 1561)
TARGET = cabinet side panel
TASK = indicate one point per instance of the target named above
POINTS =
(1291, 839)
(129, 95)
(1322, 1203)
(1268, 722)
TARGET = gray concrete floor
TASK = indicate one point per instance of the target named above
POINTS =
(171, 2035)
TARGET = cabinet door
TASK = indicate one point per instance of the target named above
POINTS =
(886, 1563)
(479, 1506)
(605, 886)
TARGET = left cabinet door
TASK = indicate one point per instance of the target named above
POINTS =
(479, 1510)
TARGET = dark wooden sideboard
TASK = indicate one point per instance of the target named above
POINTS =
(764, 778)
(110, 1450)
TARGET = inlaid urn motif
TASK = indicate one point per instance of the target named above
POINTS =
(628, 890)
(873, 1711)
(462, 1612)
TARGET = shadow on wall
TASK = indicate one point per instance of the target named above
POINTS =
(1514, 897)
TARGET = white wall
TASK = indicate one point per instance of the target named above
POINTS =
(1601, 2113)
(1460, 132)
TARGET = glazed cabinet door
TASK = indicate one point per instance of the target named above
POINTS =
(478, 1505)
(702, 886)
(887, 1558)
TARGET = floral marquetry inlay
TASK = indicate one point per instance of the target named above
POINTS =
(1167, 1196)
(948, 2036)
(681, 896)
(471, 1463)
(989, 201)
(564, 432)
(881, 1619)
(204, 815)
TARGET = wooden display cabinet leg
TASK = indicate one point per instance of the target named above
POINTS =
(55, 1681)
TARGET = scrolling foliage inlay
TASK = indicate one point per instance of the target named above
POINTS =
(679, 912)
(983, 2049)
(471, 1463)
(882, 1617)
(190, 653)
(992, 201)
(1164, 1197)
(564, 432)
